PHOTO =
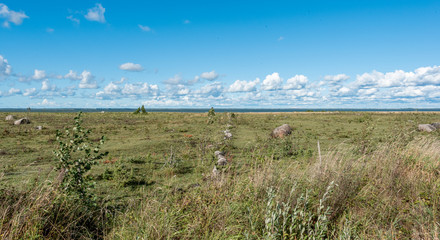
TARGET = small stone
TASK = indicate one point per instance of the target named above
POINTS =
(426, 128)
(22, 121)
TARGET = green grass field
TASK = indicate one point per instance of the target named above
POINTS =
(377, 177)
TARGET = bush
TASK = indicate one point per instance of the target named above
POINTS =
(76, 155)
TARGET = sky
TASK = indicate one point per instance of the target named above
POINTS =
(225, 54)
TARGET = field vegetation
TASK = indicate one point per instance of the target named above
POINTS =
(374, 176)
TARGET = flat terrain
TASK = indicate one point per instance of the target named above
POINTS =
(164, 161)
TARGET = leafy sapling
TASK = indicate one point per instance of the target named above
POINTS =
(76, 155)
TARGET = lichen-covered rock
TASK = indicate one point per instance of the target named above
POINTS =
(228, 134)
(281, 131)
(436, 125)
(222, 160)
(22, 121)
(426, 128)
(10, 118)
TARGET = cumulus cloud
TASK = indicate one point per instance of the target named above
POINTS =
(296, 82)
(10, 16)
(214, 89)
(96, 14)
(46, 102)
(272, 82)
(244, 86)
(419, 77)
(144, 28)
(336, 79)
(210, 76)
(112, 91)
(344, 91)
(29, 92)
(132, 67)
(39, 74)
(174, 80)
(11, 92)
(72, 75)
(87, 80)
(5, 68)
(46, 86)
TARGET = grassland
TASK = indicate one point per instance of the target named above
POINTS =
(377, 177)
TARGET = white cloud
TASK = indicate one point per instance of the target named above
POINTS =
(210, 76)
(112, 91)
(39, 74)
(46, 86)
(12, 91)
(281, 38)
(214, 89)
(367, 91)
(29, 92)
(186, 21)
(336, 79)
(344, 91)
(73, 19)
(11, 16)
(271, 82)
(87, 80)
(296, 82)
(96, 14)
(177, 79)
(5, 68)
(46, 102)
(132, 67)
(244, 86)
(72, 75)
(144, 28)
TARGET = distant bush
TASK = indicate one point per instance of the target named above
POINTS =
(140, 110)
(211, 116)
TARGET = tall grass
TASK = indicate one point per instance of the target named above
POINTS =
(391, 191)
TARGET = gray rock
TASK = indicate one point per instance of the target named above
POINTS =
(228, 134)
(436, 125)
(222, 161)
(426, 128)
(39, 127)
(22, 121)
(10, 118)
(218, 153)
(281, 131)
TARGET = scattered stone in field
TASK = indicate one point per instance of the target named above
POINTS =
(39, 127)
(102, 112)
(22, 121)
(218, 153)
(222, 160)
(436, 125)
(228, 134)
(426, 128)
(10, 118)
(281, 131)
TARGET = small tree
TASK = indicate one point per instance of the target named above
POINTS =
(76, 155)
(143, 110)
(211, 115)
(137, 111)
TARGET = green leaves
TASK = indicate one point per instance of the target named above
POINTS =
(75, 158)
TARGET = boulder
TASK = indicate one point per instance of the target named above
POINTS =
(426, 128)
(281, 131)
(222, 160)
(22, 121)
(436, 125)
(10, 118)
(228, 134)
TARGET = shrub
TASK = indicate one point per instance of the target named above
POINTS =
(76, 155)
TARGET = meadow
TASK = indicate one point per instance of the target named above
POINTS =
(374, 176)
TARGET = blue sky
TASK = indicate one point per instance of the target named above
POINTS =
(259, 54)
